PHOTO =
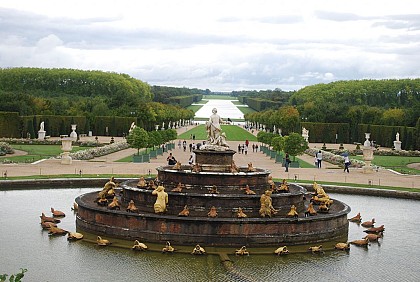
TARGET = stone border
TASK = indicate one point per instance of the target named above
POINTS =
(99, 182)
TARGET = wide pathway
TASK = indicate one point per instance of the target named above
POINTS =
(108, 165)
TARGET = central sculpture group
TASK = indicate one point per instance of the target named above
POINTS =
(213, 202)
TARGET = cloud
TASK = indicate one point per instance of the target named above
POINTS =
(216, 45)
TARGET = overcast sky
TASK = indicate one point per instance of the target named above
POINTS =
(220, 45)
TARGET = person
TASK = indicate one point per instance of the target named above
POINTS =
(184, 145)
(171, 159)
(346, 163)
(319, 158)
(287, 161)
(213, 127)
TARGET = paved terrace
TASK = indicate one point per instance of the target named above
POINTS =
(107, 165)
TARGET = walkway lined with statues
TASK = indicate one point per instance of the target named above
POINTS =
(108, 165)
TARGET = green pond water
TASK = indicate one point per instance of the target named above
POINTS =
(23, 244)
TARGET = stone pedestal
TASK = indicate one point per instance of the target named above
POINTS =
(66, 146)
(397, 145)
(41, 134)
(368, 157)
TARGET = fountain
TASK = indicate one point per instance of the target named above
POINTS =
(219, 213)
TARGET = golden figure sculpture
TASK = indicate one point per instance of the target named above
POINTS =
(267, 208)
(316, 249)
(233, 167)
(310, 210)
(114, 204)
(168, 248)
(138, 246)
(73, 236)
(293, 212)
(271, 183)
(132, 207)
(213, 190)
(248, 191)
(342, 246)
(281, 251)
(212, 212)
(198, 250)
(184, 212)
(102, 242)
(141, 183)
(177, 166)
(178, 188)
(108, 190)
(57, 213)
(357, 218)
(283, 187)
(242, 251)
(250, 168)
(196, 168)
(240, 213)
(161, 200)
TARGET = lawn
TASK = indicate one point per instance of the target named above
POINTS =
(396, 163)
(233, 133)
(38, 152)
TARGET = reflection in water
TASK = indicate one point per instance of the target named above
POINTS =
(25, 245)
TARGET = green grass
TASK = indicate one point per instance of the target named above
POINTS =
(397, 163)
(233, 133)
(246, 110)
(194, 108)
(37, 152)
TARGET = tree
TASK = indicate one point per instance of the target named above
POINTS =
(295, 144)
(138, 138)
(277, 143)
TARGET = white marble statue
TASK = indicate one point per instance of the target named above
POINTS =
(213, 127)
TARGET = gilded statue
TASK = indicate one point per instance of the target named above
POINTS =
(240, 213)
(233, 167)
(213, 190)
(293, 212)
(141, 183)
(242, 251)
(267, 208)
(212, 212)
(248, 191)
(114, 205)
(161, 200)
(198, 250)
(250, 168)
(283, 187)
(132, 207)
(108, 190)
(184, 212)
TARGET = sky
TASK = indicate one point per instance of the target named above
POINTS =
(218, 45)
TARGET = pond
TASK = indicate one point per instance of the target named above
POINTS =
(25, 245)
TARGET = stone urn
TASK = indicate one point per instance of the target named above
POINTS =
(73, 134)
(66, 147)
(367, 155)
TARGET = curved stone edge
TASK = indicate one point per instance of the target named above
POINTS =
(99, 182)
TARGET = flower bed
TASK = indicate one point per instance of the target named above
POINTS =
(91, 153)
